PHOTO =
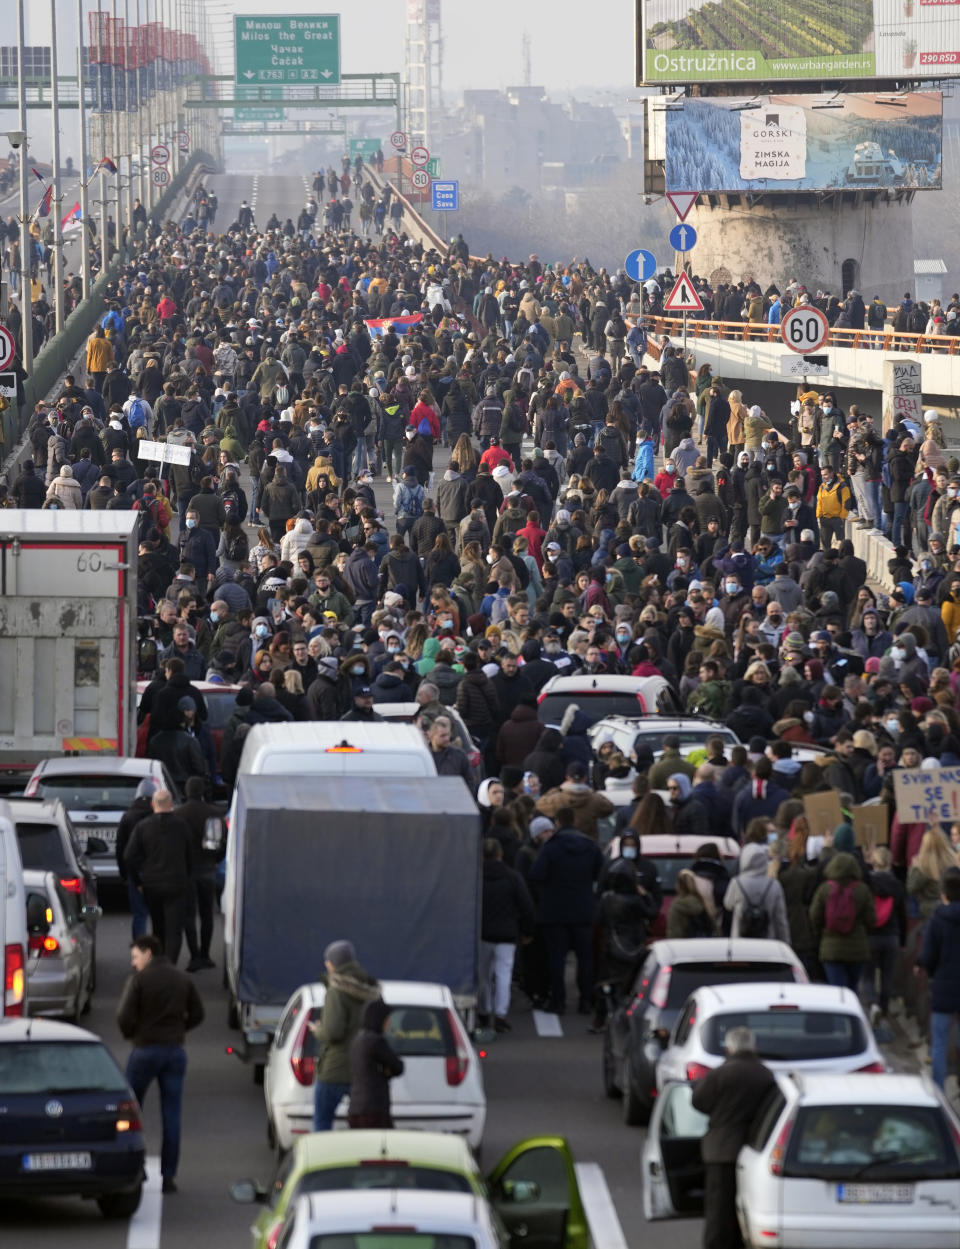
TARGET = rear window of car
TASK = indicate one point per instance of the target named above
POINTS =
(784, 1033)
(385, 1239)
(597, 705)
(690, 739)
(871, 1143)
(668, 869)
(413, 1032)
(385, 1174)
(41, 847)
(686, 977)
(220, 707)
(58, 1067)
(91, 792)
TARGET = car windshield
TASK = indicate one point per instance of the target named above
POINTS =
(91, 792)
(785, 1032)
(851, 1142)
(381, 1173)
(386, 1239)
(58, 1067)
(41, 846)
(686, 977)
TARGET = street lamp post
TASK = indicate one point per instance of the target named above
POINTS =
(26, 300)
(84, 198)
(55, 206)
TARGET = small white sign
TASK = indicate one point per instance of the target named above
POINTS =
(796, 366)
(773, 142)
(165, 452)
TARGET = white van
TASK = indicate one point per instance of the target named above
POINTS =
(13, 919)
(336, 748)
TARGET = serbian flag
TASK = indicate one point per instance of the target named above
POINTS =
(402, 325)
(37, 174)
(108, 164)
(43, 209)
(72, 218)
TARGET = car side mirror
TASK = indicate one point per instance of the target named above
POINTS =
(247, 1192)
(96, 845)
(520, 1190)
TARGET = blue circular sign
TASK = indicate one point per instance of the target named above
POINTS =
(682, 237)
(640, 265)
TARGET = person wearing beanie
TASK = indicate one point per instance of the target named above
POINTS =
(349, 989)
(64, 491)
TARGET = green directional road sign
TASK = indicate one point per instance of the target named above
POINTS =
(289, 50)
(364, 147)
(259, 114)
(433, 166)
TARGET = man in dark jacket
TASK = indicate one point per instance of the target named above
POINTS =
(138, 810)
(28, 491)
(730, 1095)
(349, 989)
(158, 1007)
(507, 917)
(159, 861)
(940, 958)
(204, 823)
(563, 873)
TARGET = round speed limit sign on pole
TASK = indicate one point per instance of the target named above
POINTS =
(398, 140)
(420, 179)
(160, 176)
(805, 329)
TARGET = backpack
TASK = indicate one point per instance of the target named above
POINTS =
(840, 913)
(701, 925)
(231, 506)
(281, 396)
(754, 920)
(884, 909)
(137, 415)
(886, 477)
(917, 319)
(409, 502)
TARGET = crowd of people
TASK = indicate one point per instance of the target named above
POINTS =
(595, 516)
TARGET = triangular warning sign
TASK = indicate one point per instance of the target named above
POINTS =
(682, 202)
(683, 297)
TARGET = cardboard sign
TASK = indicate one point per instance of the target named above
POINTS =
(871, 824)
(823, 812)
(165, 452)
(927, 795)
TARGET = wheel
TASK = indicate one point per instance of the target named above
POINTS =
(635, 1112)
(120, 1205)
(610, 1086)
(258, 1070)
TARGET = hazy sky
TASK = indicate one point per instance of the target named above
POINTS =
(570, 44)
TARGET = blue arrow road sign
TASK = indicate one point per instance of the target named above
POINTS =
(445, 196)
(640, 265)
(682, 237)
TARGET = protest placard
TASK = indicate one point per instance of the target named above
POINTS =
(823, 812)
(871, 824)
(924, 795)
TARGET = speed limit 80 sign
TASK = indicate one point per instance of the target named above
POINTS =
(805, 329)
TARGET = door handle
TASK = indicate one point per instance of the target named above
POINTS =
(521, 1229)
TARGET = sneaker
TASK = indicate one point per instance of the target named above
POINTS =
(389, 478)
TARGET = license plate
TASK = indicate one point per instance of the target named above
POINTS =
(875, 1194)
(57, 1162)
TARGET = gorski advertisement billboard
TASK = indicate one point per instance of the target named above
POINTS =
(806, 143)
(762, 40)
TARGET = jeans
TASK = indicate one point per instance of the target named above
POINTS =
(326, 1099)
(830, 527)
(871, 490)
(360, 455)
(393, 457)
(139, 914)
(883, 959)
(254, 495)
(560, 938)
(940, 1024)
(167, 1064)
(899, 516)
(843, 975)
(496, 974)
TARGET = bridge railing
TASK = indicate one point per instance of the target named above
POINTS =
(749, 331)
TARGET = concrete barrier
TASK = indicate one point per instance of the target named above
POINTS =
(875, 550)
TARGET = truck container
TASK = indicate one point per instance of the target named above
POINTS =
(392, 864)
(68, 619)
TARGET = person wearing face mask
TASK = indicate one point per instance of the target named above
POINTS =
(733, 600)
(833, 506)
(198, 548)
(666, 478)
(833, 434)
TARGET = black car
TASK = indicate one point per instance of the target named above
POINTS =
(71, 1123)
(639, 1025)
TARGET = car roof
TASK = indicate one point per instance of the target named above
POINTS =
(37, 810)
(858, 1088)
(600, 681)
(723, 950)
(663, 845)
(361, 1209)
(714, 998)
(431, 1149)
(43, 1030)
(106, 764)
(405, 992)
(660, 723)
(204, 687)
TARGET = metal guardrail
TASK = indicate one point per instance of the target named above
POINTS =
(755, 332)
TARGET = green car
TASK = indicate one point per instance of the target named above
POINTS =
(533, 1188)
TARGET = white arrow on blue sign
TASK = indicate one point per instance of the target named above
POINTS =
(682, 237)
(640, 265)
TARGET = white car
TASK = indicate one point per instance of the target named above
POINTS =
(415, 1217)
(441, 1089)
(799, 1027)
(846, 1161)
(599, 695)
(629, 730)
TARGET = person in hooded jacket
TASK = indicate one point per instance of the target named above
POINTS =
(373, 1064)
(842, 915)
(626, 911)
(940, 959)
(349, 988)
(507, 918)
(519, 734)
(139, 809)
(890, 934)
(754, 888)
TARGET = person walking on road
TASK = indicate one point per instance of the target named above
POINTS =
(349, 989)
(159, 862)
(159, 1006)
(940, 958)
(730, 1095)
(204, 822)
(373, 1064)
(507, 918)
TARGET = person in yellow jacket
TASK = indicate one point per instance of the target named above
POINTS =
(322, 467)
(833, 506)
(950, 610)
(99, 356)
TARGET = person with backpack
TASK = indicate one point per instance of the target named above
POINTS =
(408, 497)
(842, 915)
(139, 414)
(755, 899)
(688, 916)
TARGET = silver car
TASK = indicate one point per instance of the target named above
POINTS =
(60, 958)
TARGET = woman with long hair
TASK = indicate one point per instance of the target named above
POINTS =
(265, 546)
(650, 818)
(465, 454)
(441, 564)
(473, 573)
(926, 871)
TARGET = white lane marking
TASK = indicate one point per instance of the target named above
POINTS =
(602, 1217)
(144, 1228)
(547, 1024)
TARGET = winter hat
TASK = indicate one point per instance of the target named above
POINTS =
(794, 641)
(682, 782)
(339, 952)
(539, 825)
(483, 793)
(329, 666)
(872, 665)
(843, 838)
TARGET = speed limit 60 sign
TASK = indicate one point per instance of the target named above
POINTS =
(805, 329)
(398, 140)
(420, 179)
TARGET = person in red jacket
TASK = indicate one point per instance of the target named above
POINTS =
(426, 410)
(534, 536)
(495, 455)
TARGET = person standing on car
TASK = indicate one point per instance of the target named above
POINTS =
(159, 862)
(373, 1064)
(349, 989)
(158, 1008)
(731, 1095)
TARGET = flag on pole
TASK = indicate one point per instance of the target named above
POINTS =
(379, 325)
(73, 217)
(108, 164)
(38, 175)
(43, 208)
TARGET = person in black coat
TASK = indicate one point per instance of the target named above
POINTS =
(29, 490)
(507, 918)
(159, 861)
(373, 1064)
(547, 760)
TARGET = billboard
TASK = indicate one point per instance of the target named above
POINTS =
(765, 40)
(805, 143)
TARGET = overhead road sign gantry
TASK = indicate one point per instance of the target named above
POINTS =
(805, 329)
(290, 49)
(640, 265)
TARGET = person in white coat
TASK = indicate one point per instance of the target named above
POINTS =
(65, 490)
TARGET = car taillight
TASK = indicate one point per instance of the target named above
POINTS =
(72, 884)
(661, 987)
(778, 1153)
(128, 1117)
(875, 1068)
(274, 1236)
(459, 1061)
(44, 945)
(14, 980)
(696, 1071)
(540, 698)
(32, 787)
(302, 1065)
